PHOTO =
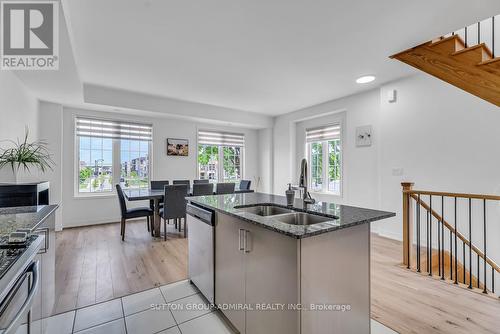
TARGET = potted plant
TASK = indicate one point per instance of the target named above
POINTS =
(24, 156)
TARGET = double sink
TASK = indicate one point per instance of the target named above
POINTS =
(285, 215)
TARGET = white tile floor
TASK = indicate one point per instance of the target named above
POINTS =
(134, 314)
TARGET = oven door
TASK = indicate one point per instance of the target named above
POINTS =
(15, 308)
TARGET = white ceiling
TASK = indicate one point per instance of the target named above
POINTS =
(264, 56)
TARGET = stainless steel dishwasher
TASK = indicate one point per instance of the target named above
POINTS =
(201, 234)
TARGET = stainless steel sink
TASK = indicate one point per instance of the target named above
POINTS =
(301, 218)
(265, 210)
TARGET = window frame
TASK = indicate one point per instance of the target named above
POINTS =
(220, 162)
(221, 165)
(120, 160)
(116, 162)
(325, 163)
(217, 171)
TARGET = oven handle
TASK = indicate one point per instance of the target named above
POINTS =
(33, 269)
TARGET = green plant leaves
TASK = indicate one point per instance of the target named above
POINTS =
(26, 154)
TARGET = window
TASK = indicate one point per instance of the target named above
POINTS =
(324, 151)
(106, 149)
(215, 147)
(208, 162)
(95, 165)
(316, 159)
(134, 158)
(232, 163)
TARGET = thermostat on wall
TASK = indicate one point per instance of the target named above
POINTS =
(364, 136)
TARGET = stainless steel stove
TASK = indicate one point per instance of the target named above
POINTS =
(19, 282)
(10, 253)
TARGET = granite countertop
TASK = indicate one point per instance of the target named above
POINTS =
(343, 216)
(26, 218)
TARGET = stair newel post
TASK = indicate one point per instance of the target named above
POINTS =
(407, 222)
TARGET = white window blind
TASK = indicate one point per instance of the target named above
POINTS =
(323, 133)
(89, 127)
(206, 137)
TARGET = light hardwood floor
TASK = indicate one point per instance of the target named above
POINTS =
(93, 265)
(409, 302)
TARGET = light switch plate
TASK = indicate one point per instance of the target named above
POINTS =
(392, 96)
(364, 136)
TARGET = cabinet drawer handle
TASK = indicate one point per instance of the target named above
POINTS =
(245, 241)
(241, 247)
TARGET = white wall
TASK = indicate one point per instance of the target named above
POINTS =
(442, 138)
(360, 169)
(445, 140)
(51, 129)
(265, 158)
(85, 211)
(18, 109)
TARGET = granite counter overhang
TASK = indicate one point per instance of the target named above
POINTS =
(343, 216)
(24, 218)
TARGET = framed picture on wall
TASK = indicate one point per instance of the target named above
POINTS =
(177, 147)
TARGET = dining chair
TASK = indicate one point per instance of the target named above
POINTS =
(186, 182)
(157, 185)
(201, 189)
(201, 181)
(245, 184)
(132, 213)
(174, 205)
(225, 188)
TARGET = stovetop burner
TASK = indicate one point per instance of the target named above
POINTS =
(9, 254)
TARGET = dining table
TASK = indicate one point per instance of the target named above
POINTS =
(156, 195)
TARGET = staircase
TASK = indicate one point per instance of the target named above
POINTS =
(452, 58)
(445, 237)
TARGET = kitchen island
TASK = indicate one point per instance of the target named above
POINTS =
(301, 269)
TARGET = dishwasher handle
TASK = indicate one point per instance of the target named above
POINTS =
(201, 214)
(33, 269)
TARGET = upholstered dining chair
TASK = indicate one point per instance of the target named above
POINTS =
(225, 188)
(157, 185)
(200, 181)
(132, 213)
(174, 205)
(245, 184)
(201, 189)
(186, 182)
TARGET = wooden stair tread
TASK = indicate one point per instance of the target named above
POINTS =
(480, 47)
(491, 66)
(447, 39)
(494, 61)
(448, 45)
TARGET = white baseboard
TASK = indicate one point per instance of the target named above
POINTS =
(91, 222)
(389, 234)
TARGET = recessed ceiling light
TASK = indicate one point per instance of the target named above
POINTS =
(365, 79)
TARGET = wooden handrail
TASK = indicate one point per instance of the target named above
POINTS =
(452, 229)
(447, 194)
